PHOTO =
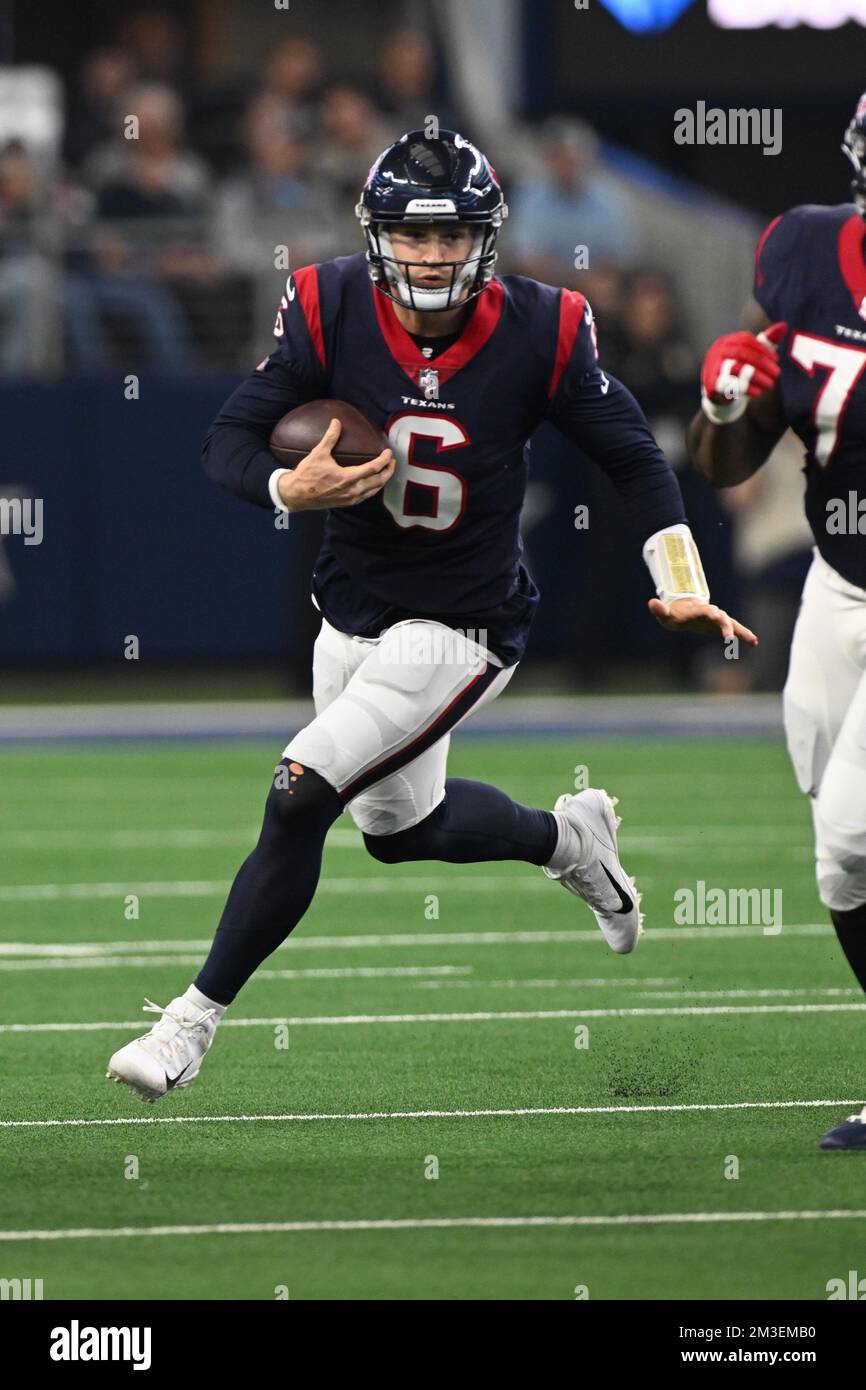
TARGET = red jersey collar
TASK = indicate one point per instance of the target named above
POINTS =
(851, 263)
(405, 351)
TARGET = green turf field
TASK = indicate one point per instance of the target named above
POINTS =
(416, 997)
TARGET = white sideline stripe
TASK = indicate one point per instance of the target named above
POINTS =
(359, 972)
(124, 839)
(608, 982)
(191, 837)
(835, 993)
(502, 1113)
(334, 943)
(210, 888)
(636, 986)
(432, 1223)
(178, 838)
(674, 846)
(98, 962)
(366, 972)
(486, 1016)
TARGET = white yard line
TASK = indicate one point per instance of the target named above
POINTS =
(359, 972)
(99, 962)
(606, 982)
(432, 938)
(218, 888)
(500, 1113)
(369, 884)
(835, 993)
(190, 837)
(178, 838)
(432, 1223)
(673, 847)
(637, 987)
(486, 1016)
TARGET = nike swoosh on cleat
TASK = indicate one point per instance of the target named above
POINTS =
(173, 1080)
(627, 904)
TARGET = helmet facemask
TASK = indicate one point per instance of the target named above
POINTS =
(468, 277)
(854, 149)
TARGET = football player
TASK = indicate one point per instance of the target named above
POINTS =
(425, 603)
(799, 363)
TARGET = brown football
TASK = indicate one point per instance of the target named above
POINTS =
(297, 433)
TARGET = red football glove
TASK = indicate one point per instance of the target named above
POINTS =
(737, 366)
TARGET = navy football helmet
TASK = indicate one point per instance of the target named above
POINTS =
(421, 180)
(854, 146)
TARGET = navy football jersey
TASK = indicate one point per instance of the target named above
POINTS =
(810, 272)
(441, 539)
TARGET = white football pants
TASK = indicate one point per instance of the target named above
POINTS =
(825, 728)
(385, 708)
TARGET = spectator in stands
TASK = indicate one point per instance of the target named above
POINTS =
(148, 259)
(154, 40)
(151, 174)
(277, 201)
(353, 136)
(68, 277)
(104, 293)
(570, 206)
(653, 351)
(293, 77)
(21, 267)
(94, 106)
(608, 285)
(407, 91)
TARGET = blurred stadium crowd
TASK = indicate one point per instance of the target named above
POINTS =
(167, 233)
(161, 252)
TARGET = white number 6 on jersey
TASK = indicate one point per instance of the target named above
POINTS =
(448, 489)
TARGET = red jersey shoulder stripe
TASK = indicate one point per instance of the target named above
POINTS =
(850, 253)
(571, 307)
(306, 283)
(760, 246)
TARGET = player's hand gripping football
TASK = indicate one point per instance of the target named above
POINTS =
(319, 482)
(693, 615)
(738, 366)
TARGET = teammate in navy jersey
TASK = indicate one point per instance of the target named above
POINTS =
(803, 367)
(425, 603)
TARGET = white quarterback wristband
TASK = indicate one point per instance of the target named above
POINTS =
(723, 414)
(274, 488)
(672, 559)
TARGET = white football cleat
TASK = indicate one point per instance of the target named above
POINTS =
(600, 880)
(170, 1055)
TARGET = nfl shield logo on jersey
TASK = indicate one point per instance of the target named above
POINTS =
(428, 380)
